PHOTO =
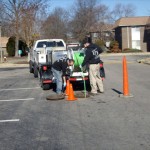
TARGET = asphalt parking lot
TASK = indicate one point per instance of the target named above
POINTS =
(103, 122)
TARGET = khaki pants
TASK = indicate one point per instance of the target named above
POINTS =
(95, 79)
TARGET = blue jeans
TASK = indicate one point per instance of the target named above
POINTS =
(58, 77)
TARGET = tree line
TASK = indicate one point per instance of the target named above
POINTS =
(30, 20)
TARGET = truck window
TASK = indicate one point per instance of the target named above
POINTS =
(41, 44)
(50, 44)
(60, 44)
(55, 44)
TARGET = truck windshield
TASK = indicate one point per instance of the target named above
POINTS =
(50, 44)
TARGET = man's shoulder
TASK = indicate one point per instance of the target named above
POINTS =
(92, 45)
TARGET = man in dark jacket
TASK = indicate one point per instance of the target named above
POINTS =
(92, 60)
(59, 70)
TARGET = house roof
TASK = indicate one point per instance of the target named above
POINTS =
(101, 27)
(131, 21)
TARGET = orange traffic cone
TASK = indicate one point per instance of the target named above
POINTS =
(67, 88)
(125, 80)
(71, 96)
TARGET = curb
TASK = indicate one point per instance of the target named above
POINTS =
(125, 54)
(11, 65)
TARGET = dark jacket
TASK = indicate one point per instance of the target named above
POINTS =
(61, 65)
(92, 55)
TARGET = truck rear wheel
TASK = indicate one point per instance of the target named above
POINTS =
(30, 67)
(35, 72)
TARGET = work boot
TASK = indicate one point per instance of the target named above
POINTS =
(92, 94)
(60, 95)
(100, 92)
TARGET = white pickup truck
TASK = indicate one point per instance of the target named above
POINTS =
(43, 53)
(42, 56)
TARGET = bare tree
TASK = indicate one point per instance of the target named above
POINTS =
(1, 11)
(30, 21)
(84, 17)
(102, 13)
(121, 10)
(15, 10)
(55, 25)
(3, 21)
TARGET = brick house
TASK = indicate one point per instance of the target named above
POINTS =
(130, 32)
(102, 31)
(147, 35)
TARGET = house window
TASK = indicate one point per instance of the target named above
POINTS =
(135, 35)
(136, 44)
(107, 34)
(95, 35)
(137, 29)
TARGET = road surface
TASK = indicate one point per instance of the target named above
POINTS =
(103, 122)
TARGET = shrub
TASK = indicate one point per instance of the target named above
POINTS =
(114, 47)
(99, 42)
(10, 46)
(23, 47)
(131, 50)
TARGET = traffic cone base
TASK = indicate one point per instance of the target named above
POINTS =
(125, 96)
(71, 96)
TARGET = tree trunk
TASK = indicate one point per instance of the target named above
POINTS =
(17, 35)
(16, 46)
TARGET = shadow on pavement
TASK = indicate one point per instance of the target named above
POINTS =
(118, 92)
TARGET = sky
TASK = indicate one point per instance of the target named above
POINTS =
(142, 6)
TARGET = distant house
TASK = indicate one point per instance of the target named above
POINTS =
(3, 42)
(130, 32)
(102, 31)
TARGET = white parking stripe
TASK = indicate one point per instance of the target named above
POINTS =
(19, 89)
(27, 99)
(12, 120)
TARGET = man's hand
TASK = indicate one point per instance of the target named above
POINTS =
(64, 81)
(64, 84)
(80, 66)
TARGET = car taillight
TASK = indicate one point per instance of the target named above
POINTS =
(44, 68)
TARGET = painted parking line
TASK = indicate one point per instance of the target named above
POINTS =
(11, 120)
(11, 100)
(19, 89)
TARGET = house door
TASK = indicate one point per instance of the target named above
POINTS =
(136, 38)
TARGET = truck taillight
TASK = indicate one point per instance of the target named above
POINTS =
(101, 65)
(44, 68)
